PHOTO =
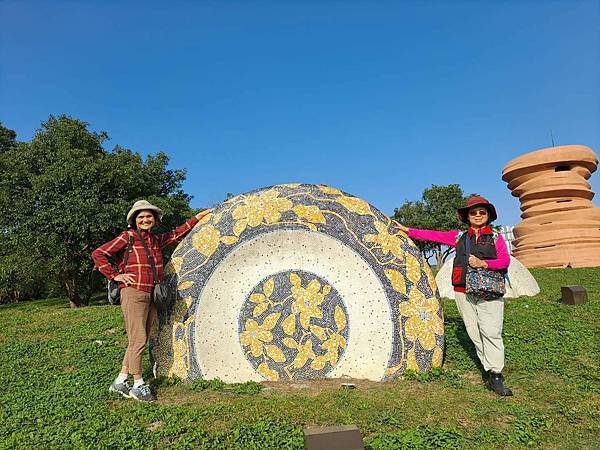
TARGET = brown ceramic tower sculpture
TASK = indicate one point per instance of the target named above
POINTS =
(561, 225)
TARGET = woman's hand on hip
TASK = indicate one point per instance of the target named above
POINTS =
(201, 214)
(127, 278)
(477, 263)
(402, 227)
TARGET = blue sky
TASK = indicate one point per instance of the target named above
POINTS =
(380, 99)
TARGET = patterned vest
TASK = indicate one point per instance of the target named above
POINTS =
(483, 247)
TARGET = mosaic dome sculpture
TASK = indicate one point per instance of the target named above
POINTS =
(298, 281)
(561, 225)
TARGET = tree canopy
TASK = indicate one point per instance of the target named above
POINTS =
(436, 210)
(7, 138)
(62, 195)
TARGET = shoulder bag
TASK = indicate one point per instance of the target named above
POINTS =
(114, 292)
(487, 284)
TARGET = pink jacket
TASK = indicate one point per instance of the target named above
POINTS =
(502, 260)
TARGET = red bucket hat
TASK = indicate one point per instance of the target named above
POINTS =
(476, 200)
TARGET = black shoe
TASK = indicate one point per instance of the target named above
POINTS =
(496, 384)
(485, 376)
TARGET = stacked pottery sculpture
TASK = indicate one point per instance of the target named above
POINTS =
(561, 225)
(298, 281)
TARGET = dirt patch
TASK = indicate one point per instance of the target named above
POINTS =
(40, 337)
(473, 378)
(182, 396)
(317, 386)
(154, 425)
(466, 423)
(308, 388)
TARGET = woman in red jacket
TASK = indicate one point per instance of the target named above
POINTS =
(483, 318)
(136, 281)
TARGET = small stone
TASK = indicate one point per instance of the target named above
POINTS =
(155, 425)
(573, 295)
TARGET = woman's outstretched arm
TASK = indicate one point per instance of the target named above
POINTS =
(182, 230)
(441, 237)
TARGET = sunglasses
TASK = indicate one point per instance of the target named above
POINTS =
(478, 212)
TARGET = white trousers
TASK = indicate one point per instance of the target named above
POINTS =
(483, 320)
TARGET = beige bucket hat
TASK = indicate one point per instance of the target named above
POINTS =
(142, 205)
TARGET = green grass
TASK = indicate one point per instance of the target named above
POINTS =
(56, 364)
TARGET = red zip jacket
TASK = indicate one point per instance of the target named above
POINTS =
(137, 261)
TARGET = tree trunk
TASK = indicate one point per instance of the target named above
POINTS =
(447, 253)
(70, 282)
(439, 259)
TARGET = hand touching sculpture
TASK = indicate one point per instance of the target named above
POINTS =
(203, 213)
(402, 227)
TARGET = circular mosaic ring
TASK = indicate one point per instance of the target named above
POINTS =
(298, 281)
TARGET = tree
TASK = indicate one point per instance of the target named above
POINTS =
(22, 276)
(436, 210)
(7, 138)
(62, 195)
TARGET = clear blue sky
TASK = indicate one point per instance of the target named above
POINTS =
(381, 99)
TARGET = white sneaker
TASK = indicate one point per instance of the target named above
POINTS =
(123, 388)
(142, 393)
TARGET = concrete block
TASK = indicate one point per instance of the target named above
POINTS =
(346, 437)
(573, 295)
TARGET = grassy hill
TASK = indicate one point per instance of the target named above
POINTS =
(56, 364)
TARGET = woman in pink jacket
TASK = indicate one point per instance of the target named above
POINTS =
(483, 318)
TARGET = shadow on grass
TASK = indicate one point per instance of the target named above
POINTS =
(27, 304)
(464, 340)
(99, 299)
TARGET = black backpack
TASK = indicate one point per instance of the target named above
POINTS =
(114, 293)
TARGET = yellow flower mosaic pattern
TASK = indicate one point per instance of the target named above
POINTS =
(307, 300)
(261, 208)
(255, 335)
(423, 322)
(306, 334)
(389, 244)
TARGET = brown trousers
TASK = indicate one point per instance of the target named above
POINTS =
(139, 313)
